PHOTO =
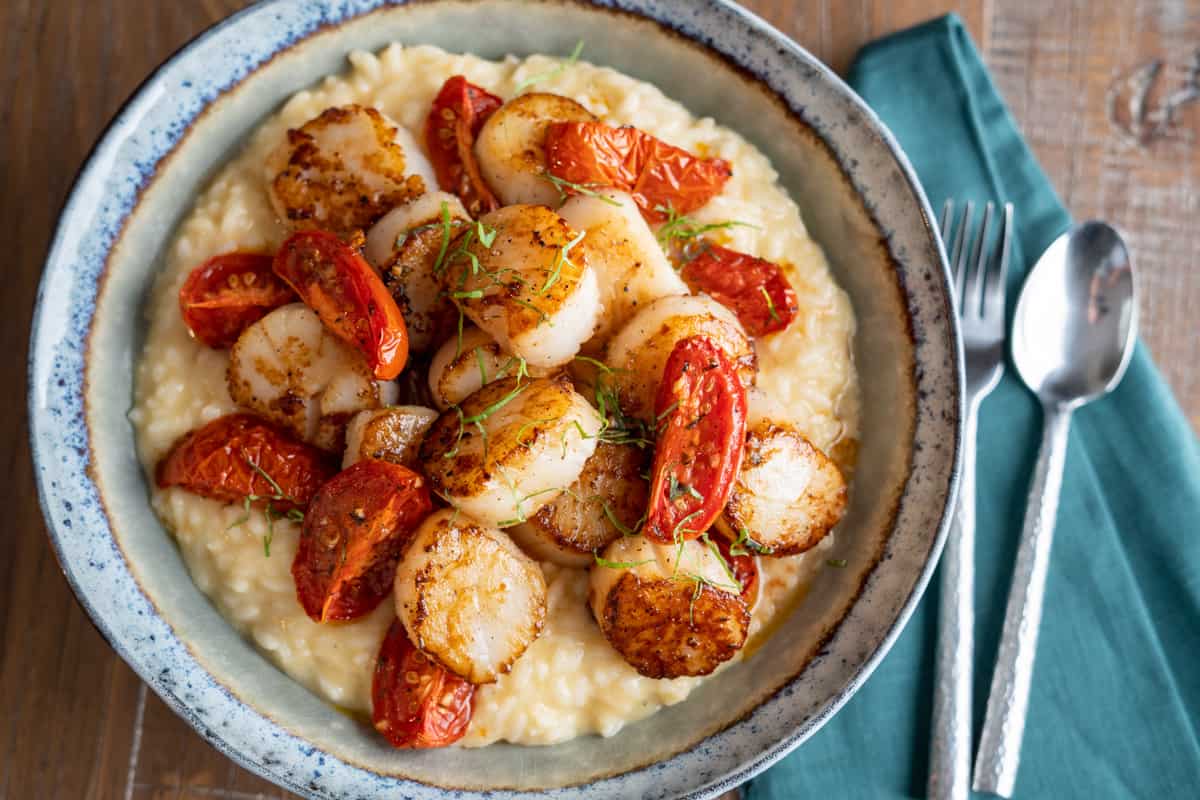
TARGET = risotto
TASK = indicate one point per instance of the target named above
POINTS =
(570, 681)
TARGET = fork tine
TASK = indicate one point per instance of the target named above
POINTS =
(947, 222)
(973, 290)
(960, 250)
(993, 297)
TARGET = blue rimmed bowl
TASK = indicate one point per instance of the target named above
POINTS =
(860, 200)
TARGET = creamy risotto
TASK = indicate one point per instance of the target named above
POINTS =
(570, 681)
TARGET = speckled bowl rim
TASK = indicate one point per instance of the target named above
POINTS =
(77, 438)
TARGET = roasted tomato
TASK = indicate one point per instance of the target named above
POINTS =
(658, 175)
(744, 567)
(753, 288)
(336, 282)
(239, 456)
(701, 414)
(354, 532)
(228, 293)
(415, 702)
(458, 112)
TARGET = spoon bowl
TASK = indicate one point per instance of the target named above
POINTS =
(1076, 319)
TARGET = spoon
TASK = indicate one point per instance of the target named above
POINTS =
(1072, 338)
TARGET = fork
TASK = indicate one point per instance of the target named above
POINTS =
(979, 301)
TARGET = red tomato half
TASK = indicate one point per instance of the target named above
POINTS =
(701, 413)
(347, 294)
(415, 702)
(657, 174)
(458, 112)
(354, 532)
(229, 293)
(230, 458)
(744, 567)
(753, 288)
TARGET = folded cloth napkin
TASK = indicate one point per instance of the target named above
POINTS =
(1116, 688)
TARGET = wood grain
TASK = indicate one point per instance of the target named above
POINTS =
(77, 722)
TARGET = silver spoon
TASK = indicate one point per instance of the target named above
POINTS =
(1072, 337)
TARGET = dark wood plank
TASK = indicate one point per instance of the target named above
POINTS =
(71, 724)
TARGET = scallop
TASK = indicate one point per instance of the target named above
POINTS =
(606, 502)
(788, 494)
(388, 434)
(404, 246)
(290, 369)
(631, 267)
(670, 610)
(462, 365)
(344, 169)
(468, 597)
(638, 352)
(520, 276)
(511, 146)
(510, 448)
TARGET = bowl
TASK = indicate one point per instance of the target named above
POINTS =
(861, 202)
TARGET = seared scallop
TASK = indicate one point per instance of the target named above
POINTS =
(462, 365)
(788, 494)
(388, 434)
(639, 351)
(630, 265)
(521, 276)
(511, 146)
(344, 169)
(404, 246)
(607, 501)
(669, 610)
(468, 597)
(290, 369)
(510, 448)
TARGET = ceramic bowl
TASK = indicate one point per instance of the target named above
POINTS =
(860, 200)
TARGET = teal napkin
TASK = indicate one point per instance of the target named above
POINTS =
(1116, 689)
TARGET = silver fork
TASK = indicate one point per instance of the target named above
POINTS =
(980, 262)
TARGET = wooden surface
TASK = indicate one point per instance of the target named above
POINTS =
(77, 722)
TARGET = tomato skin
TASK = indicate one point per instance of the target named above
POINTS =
(738, 282)
(744, 567)
(215, 461)
(416, 703)
(229, 293)
(334, 280)
(701, 413)
(458, 113)
(354, 532)
(658, 175)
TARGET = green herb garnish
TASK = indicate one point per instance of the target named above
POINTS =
(743, 544)
(588, 189)
(550, 74)
(271, 514)
(604, 562)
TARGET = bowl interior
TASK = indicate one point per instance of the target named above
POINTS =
(859, 202)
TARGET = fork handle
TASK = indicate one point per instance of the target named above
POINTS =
(950, 748)
(1004, 723)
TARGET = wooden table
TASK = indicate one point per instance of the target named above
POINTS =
(77, 722)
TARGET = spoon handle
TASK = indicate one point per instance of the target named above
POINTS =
(1004, 723)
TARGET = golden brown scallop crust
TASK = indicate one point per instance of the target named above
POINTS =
(412, 262)
(463, 573)
(391, 434)
(580, 521)
(669, 628)
(523, 290)
(318, 188)
(457, 470)
(818, 507)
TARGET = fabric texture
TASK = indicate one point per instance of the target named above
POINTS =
(1115, 703)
